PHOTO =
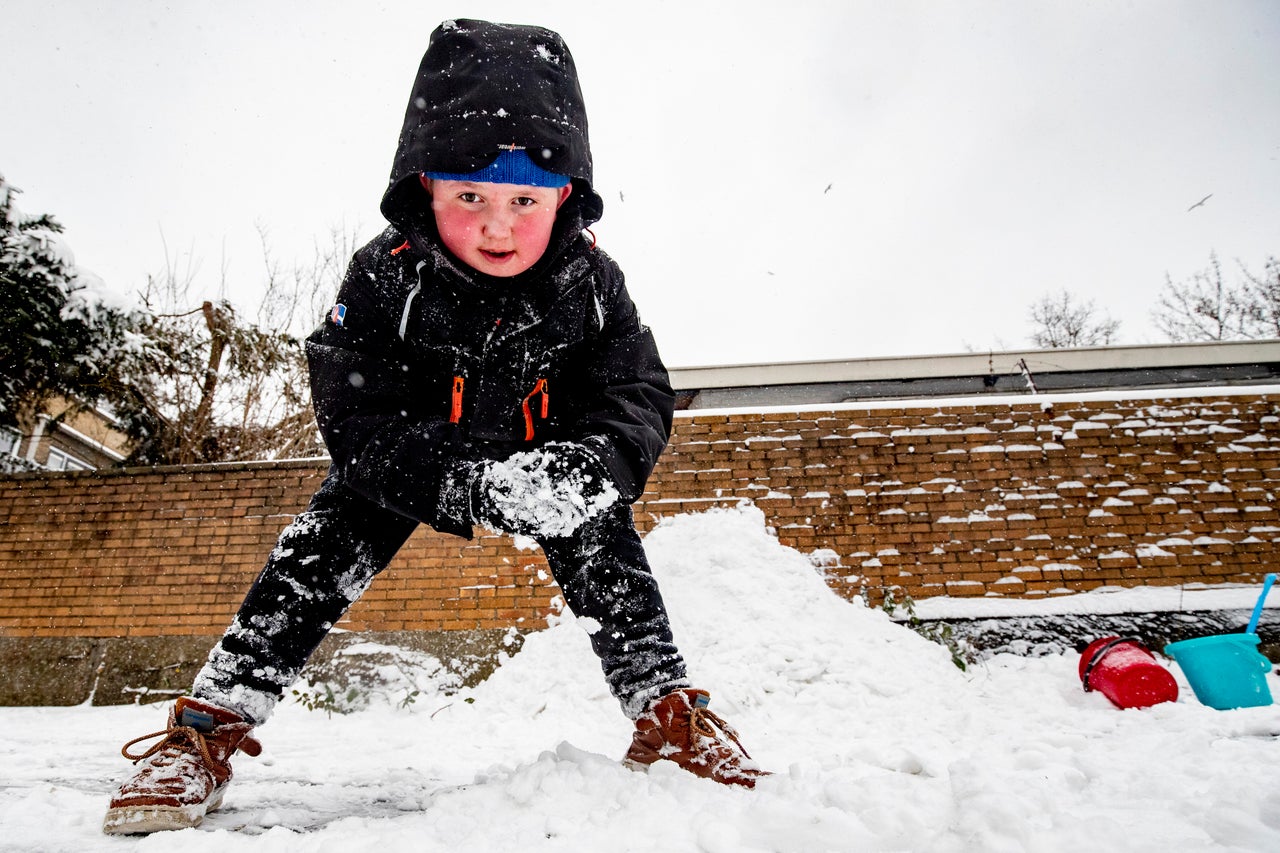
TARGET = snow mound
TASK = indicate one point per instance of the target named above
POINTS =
(757, 624)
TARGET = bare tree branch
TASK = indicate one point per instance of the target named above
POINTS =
(1208, 308)
(1061, 320)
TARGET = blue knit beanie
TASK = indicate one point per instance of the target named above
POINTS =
(513, 166)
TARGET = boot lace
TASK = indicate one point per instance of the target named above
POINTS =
(706, 722)
(181, 739)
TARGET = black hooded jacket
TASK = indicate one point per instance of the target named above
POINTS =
(425, 364)
(481, 86)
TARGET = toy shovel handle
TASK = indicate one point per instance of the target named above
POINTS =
(1257, 608)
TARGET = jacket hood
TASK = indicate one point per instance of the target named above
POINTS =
(482, 86)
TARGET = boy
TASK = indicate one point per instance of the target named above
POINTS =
(484, 365)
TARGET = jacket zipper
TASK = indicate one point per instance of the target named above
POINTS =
(539, 388)
(455, 402)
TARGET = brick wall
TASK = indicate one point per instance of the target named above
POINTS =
(998, 497)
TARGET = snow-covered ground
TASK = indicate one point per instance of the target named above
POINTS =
(877, 740)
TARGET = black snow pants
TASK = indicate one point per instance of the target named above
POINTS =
(331, 552)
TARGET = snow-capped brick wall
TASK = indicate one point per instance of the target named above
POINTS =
(1014, 498)
(999, 497)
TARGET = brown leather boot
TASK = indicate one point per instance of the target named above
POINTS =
(183, 776)
(679, 728)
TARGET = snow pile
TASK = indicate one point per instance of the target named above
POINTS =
(878, 744)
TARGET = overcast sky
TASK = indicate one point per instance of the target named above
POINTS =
(783, 181)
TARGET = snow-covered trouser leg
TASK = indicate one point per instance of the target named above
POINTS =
(604, 575)
(321, 565)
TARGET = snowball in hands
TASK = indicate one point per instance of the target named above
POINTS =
(548, 492)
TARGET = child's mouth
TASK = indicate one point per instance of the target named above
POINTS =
(495, 256)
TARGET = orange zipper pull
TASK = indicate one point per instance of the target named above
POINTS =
(455, 408)
(539, 388)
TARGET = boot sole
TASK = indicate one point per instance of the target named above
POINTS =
(144, 820)
(747, 779)
(641, 766)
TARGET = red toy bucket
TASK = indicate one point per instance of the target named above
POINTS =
(1122, 669)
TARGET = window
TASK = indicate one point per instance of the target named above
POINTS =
(60, 461)
(9, 439)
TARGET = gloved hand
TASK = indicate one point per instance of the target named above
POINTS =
(548, 492)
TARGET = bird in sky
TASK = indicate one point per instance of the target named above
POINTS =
(1200, 202)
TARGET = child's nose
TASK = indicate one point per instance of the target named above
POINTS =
(499, 223)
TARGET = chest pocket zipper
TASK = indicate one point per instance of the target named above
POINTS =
(455, 400)
(527, 405)
(539, 389)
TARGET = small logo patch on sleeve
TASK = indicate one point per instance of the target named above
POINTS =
(339, 314)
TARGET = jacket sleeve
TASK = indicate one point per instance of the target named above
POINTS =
(627, 420)
(382, 446)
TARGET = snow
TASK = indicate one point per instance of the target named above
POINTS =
(1108, 600)
(541, 491)
(878, 743)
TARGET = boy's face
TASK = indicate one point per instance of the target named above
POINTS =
(498, 229)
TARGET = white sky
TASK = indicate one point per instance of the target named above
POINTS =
(979, 154)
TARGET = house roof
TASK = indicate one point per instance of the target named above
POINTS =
(979, 373)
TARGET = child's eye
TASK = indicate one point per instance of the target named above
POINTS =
(469, 198)
(524, 201)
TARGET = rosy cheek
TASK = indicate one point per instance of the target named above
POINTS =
(536, 230)
(454, 228)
